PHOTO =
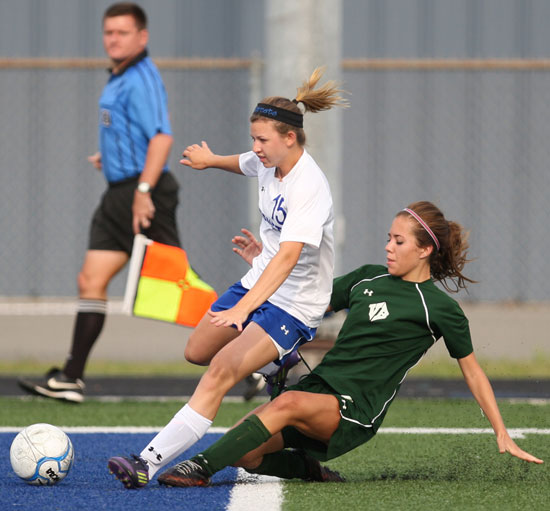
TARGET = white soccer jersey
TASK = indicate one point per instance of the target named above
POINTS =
(296, 208)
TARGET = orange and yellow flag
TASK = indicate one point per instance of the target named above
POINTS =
(162, 285)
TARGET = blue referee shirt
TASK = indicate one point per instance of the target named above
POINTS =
(132, 110)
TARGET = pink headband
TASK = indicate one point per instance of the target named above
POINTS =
(425, 225)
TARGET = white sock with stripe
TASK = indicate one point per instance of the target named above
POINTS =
(184, 430)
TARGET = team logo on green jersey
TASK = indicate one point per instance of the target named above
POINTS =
(378, 311)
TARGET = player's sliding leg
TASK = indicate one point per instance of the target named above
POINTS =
(249, 443)
(251, 350)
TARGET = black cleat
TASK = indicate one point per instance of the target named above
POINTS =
(56, 385)
(132, 472)
(184, 474)
(318, 472)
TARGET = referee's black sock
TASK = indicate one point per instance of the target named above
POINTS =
(88, 325)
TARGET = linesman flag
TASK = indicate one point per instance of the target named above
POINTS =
(162, 285)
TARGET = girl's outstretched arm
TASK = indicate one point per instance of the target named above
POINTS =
(482, 391)
(201, 157)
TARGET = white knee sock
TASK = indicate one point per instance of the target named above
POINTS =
(186, 428)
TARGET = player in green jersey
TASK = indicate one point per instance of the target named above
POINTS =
(396, 313)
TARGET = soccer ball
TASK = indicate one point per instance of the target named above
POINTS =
(41, 454)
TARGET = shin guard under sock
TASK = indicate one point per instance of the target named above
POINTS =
(286, 464)
(237, 442)
(186, 428)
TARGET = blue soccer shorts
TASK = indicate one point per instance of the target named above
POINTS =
(286, 332)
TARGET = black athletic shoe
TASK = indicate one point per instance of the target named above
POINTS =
(254, 384)
(318, 472)
(56, 385)
(186, 473)
(132, 472)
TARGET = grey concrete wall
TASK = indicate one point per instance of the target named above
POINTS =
(41, 331)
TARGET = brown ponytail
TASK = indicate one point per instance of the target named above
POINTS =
(447, 263)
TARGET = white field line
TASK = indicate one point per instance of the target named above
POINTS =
(513, 432)
(255, 492)
(258, 399)
(158, 399)
(107, 429)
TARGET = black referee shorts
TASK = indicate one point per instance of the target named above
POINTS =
(111, 227)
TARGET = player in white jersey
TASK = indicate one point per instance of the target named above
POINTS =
(297, 208)
(279, 303)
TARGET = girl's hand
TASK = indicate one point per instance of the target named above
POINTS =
(247, 247)
(506, 444)
(197, 156)
(229, 317)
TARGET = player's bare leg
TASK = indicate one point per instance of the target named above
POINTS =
(251, 350)
(206, 340)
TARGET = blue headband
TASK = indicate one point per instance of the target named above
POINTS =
(280, 114)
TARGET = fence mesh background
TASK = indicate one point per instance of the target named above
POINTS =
(474, 141)
(50, 191)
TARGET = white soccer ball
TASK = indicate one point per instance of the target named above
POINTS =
(41, 454)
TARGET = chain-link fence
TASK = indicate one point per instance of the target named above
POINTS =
(472, 138)
(49, 190)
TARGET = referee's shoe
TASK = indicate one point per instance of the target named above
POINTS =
(55, 385)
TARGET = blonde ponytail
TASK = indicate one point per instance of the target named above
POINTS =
(314, 100)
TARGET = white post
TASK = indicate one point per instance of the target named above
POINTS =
(256, 92)
(300, 36)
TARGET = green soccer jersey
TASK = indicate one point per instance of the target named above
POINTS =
(390, 325)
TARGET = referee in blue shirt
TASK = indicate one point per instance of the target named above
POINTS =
(135, 139)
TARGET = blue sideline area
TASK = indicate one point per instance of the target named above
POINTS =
(90, 486)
